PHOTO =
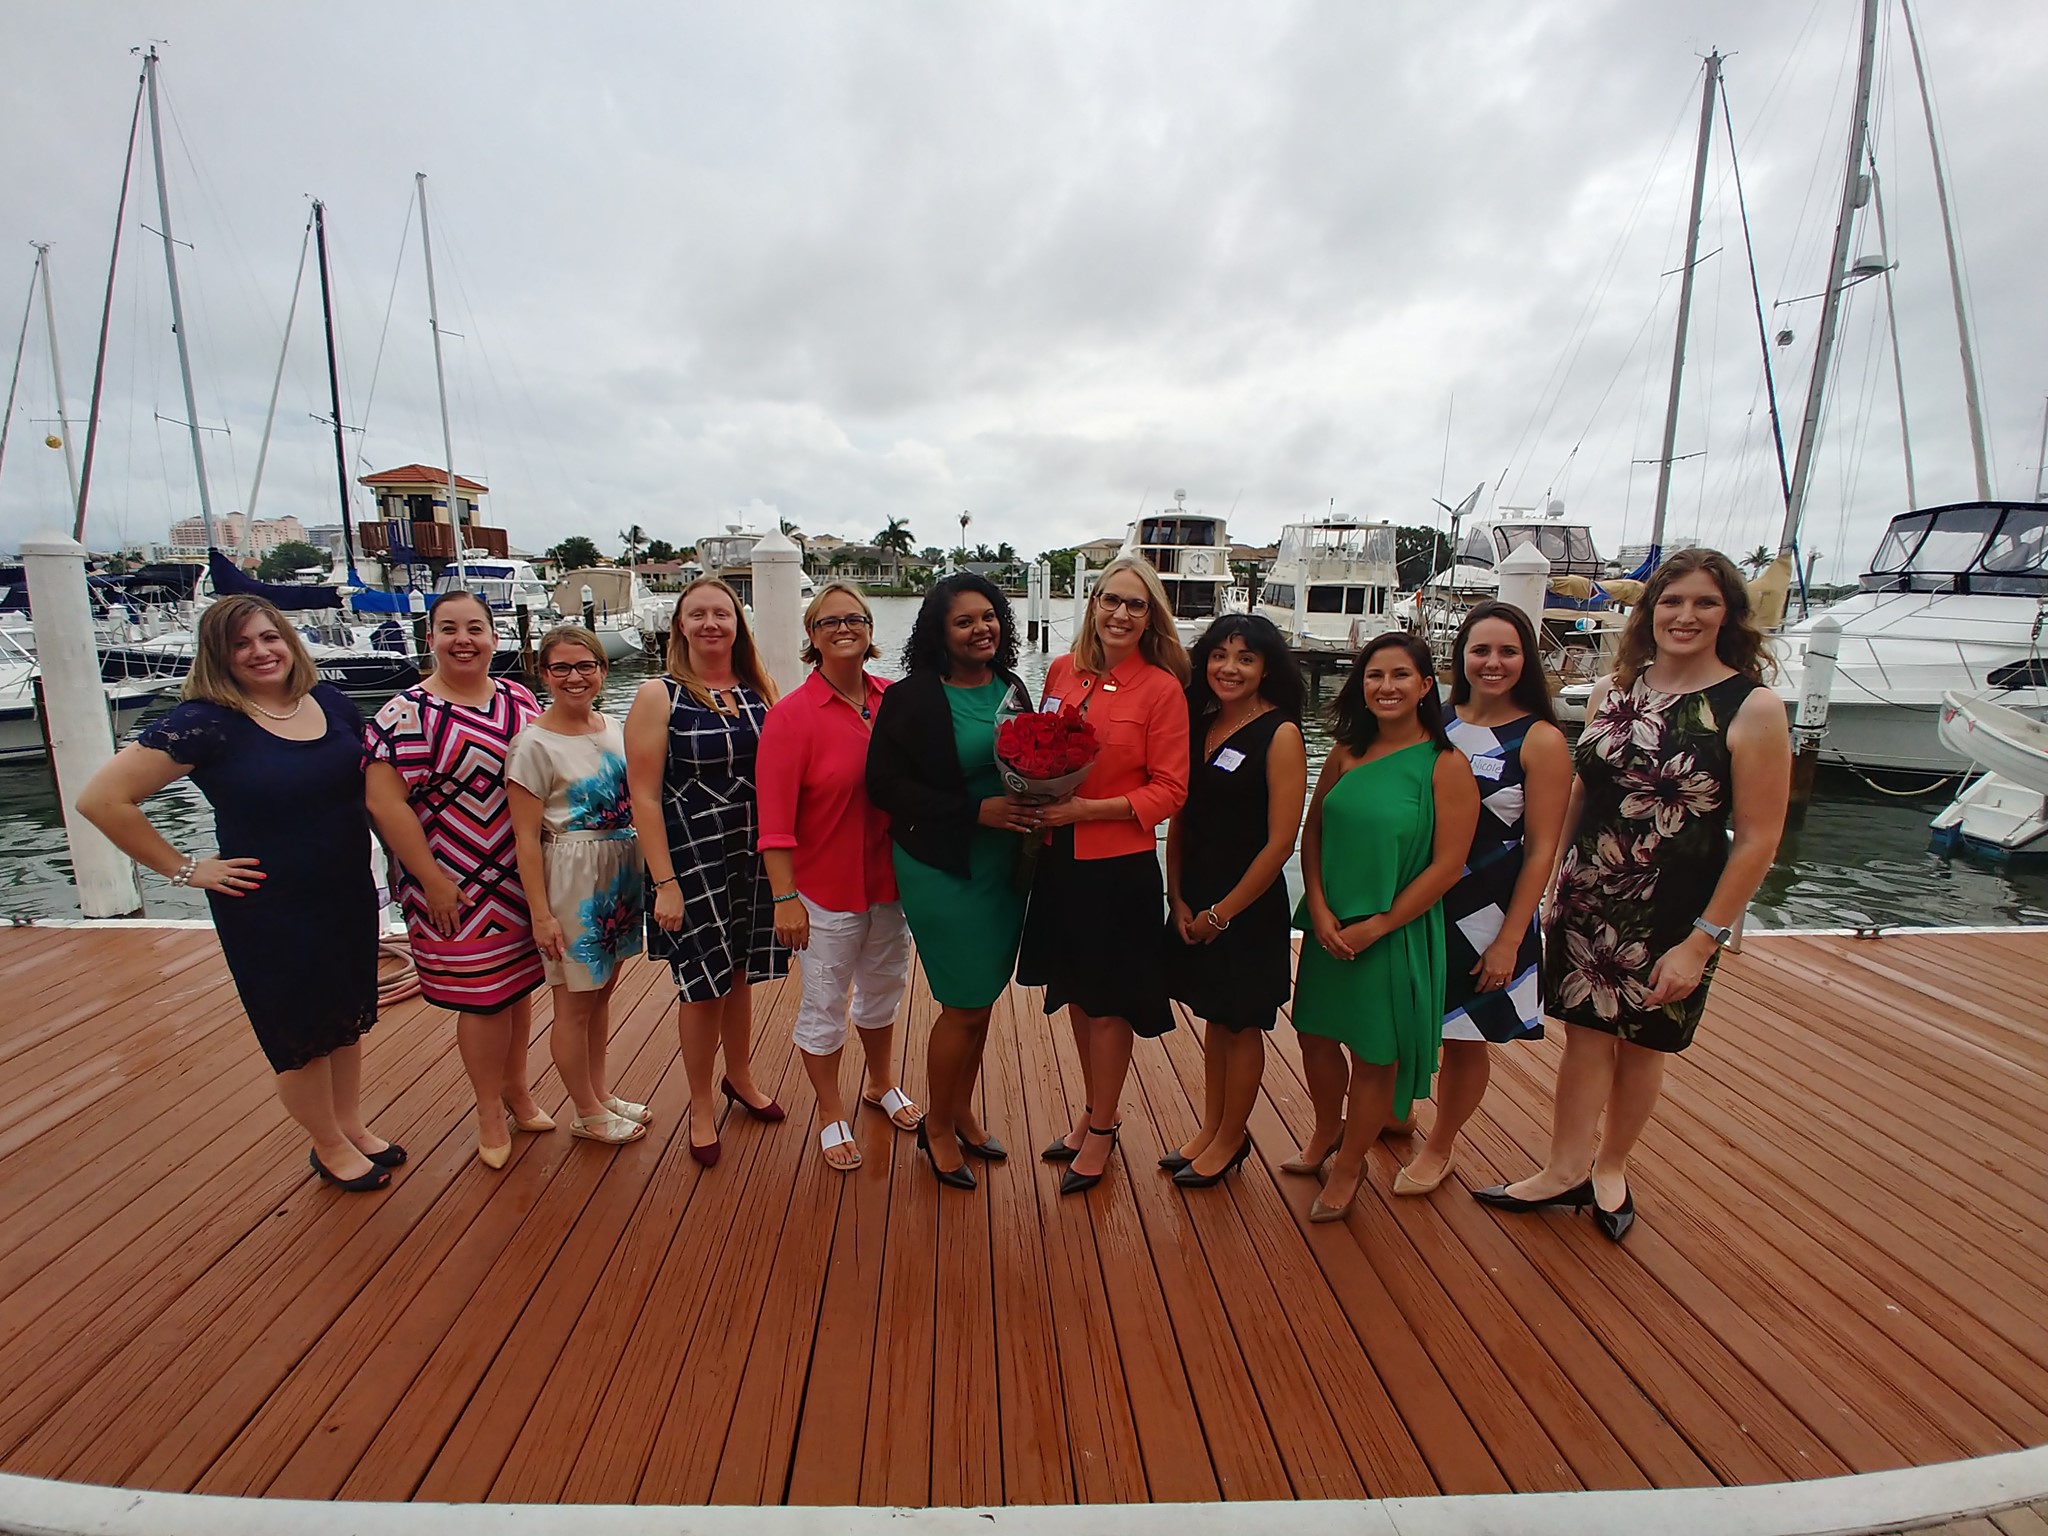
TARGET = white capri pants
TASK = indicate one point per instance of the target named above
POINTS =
(864, 953)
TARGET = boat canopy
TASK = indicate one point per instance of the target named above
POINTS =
(1997, 547)
(611, 590)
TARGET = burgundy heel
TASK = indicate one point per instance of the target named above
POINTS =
(770, 1111)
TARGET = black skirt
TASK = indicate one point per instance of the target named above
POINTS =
(1095, 936)
(1241, 978)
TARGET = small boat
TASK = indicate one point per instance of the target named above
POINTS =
(730, 557)
(616, 598)
(21, 726)
(1997, 738)
(2004, 810)
(1191, 553)
(1332, 585)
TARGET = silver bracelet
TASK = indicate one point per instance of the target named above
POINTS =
(184, 874)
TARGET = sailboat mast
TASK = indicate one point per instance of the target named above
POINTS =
(57, 374)
(1955, 271)
(284, 352)
(441, 381)
(20, 346)
(163, 208)
(1891, 315)
(1692, 248)
(348, 537)
(99, 363)
(1831, 302)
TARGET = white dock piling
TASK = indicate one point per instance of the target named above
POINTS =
(779, 608)
(1816, 688)
(1525, 581)
(1081, 589)
(75, 717)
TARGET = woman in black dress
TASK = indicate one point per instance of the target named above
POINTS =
(1226, 851)
(279, 756)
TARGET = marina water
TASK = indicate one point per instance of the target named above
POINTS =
(1859, 857)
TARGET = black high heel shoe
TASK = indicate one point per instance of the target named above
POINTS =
(392, 1156)
(953, 1178)
(1497, 1196)
(989, 1150)
(1074, 1183)
(1173, 1162)
(361, 1184)
(1187, 1178)
(1616, 1223)
(1057, 1151)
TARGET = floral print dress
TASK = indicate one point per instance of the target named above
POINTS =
(1652, 839)
(595, 882)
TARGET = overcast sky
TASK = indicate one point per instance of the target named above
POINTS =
(1042, 263)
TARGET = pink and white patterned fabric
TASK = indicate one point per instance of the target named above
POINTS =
(452, 759)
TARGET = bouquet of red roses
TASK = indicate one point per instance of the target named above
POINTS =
(1044, 757)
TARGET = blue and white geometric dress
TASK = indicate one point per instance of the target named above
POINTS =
(1477, 905)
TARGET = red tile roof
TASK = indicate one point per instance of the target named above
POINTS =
(420, 474)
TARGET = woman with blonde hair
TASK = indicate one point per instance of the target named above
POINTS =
(279, 756)
(692, 739)
(436, 784)
(580, 867)
(1683, 745)
(826, 848)
(1095, 934)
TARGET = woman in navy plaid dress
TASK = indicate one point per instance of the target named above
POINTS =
(690, 745)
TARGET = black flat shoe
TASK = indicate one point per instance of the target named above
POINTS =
(1057, 1151)
(1173, 1162)
(1073, 1182)
(1187, 1178)
(989, 1151)
(393, 1156)
(953, 1178)
(1617, 1222)
(362, 1184)
(1497, 1196)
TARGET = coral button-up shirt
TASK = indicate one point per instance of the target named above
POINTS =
(1140, 715)
(812, 778)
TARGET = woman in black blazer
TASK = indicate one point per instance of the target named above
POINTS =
(932, 770)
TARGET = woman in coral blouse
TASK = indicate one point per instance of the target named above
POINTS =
(826, 849)
(1095, 935)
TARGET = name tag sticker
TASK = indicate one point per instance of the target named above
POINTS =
(1488, 767)
(1229, 759)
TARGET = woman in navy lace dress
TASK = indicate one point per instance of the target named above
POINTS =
(279, 756)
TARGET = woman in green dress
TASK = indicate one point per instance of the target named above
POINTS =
(1386, 836)
(932, 771)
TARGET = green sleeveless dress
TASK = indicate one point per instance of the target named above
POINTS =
(1378, 824)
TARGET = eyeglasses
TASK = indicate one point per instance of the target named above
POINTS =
(1137, 606)
(573, 668)
(833, 623)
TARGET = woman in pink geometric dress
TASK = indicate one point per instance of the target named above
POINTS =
(436, 784)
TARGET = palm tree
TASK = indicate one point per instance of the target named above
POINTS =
(635, 540)
(1759, 558)
(897, 541)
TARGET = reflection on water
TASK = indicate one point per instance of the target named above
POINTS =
(1858, 857)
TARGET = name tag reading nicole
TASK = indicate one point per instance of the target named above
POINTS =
(1488, 767)
(1229, 759)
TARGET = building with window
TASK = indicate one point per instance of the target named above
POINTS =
(413, 521)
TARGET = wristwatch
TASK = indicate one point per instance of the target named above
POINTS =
(1714, 931)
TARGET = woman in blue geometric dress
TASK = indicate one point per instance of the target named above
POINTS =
(580, 866)
(1502, 720)
(691, 741)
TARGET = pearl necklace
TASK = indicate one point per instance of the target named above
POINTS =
(289, 714)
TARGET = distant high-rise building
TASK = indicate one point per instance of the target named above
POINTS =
(236, 532)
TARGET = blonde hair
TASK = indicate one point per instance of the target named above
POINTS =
(570, 634)
(1159, 644)
(746, 660)
(1739, 642)
(811, 656)
(212, 676)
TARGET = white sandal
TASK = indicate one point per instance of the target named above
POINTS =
(626, 1109)
(839, 1134)
(892, 1103)
(616, 1130)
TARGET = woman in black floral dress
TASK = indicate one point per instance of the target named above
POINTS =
(1682, 745)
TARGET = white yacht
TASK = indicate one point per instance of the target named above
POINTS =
(21, 724)
(1332, 583)
(507, 585)
(1191, 553)
(1955, 600)
(617, 599)
(730, 557)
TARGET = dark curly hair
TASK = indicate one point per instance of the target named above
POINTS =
(1739, 642)
(1352, 721)
(1280, 684)
(925, 650)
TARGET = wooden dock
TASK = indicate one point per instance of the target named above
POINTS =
(1841, 1266)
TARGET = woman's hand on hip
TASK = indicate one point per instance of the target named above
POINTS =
(792, 924)
(230, 877)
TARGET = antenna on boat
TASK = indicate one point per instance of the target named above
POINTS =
(163, 209)
(441, 382)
